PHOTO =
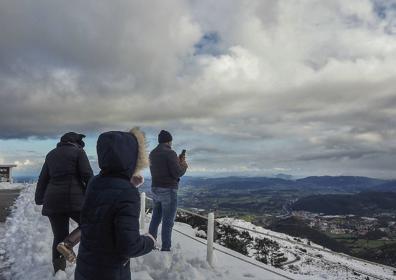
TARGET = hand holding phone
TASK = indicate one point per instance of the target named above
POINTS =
(182, 158)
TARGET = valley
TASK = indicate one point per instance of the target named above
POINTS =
(352, 215)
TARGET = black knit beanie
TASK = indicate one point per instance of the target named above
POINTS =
(164, 137)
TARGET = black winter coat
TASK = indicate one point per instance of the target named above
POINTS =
(63, 179)
(110, 215)
(165, 167)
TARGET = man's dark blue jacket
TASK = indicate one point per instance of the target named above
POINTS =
(110, 214)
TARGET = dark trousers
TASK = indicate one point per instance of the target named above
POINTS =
(60, 228)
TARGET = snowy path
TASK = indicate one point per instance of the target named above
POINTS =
(27, 242)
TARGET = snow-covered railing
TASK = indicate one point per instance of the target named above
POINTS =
(209, 235)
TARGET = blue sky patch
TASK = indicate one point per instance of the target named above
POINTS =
(208, 44)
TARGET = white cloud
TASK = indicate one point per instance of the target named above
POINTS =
(370, 137)
(289, 81)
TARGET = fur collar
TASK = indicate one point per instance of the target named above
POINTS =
(142, 158)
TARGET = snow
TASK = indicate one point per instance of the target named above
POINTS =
(3, 263)
(25, 246)
(9, 186)
(28, 238)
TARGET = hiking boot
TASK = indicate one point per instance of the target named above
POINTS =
(67, 252)
(59, 264)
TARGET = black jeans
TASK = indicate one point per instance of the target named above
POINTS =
(60, 228)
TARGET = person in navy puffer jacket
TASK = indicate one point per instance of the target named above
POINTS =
(110, 216)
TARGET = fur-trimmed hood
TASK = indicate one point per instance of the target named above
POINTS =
(142, 161)
(122, 154)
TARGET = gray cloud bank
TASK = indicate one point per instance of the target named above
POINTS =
(263, 85)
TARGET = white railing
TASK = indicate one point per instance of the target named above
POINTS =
(210, 241)
(142, 211)
(210, 235)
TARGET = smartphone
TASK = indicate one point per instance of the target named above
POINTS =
(183, 153)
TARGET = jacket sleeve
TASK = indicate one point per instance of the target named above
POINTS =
(84, 167)
(175, 169)
(128, 240)
(42, 184)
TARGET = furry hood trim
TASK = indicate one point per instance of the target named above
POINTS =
(142, 161)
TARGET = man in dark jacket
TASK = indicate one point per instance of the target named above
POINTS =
(166, 169)
(110, 214)
(61, 186)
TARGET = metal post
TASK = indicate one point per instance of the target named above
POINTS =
(142, 219)
(209, 252)
(10, 179)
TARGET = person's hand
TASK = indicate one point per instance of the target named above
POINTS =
(137, 180)
(152, 238)
(183, 163)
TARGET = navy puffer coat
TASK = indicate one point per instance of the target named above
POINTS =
(110, 214)
(64, 177)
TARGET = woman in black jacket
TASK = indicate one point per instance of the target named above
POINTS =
(61, 187)
(110, 215)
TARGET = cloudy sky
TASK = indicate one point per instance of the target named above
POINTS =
(303, 87)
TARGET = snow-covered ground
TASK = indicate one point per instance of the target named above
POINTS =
(3, 262)
(25, 253)
(9, 186)
(27, 242)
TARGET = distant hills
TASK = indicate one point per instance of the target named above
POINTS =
(347, 182)
(283, 180)
(238, 182)
(389, 186)
(363, 203)
(320, 194)
(343, 183)
(368, 196)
